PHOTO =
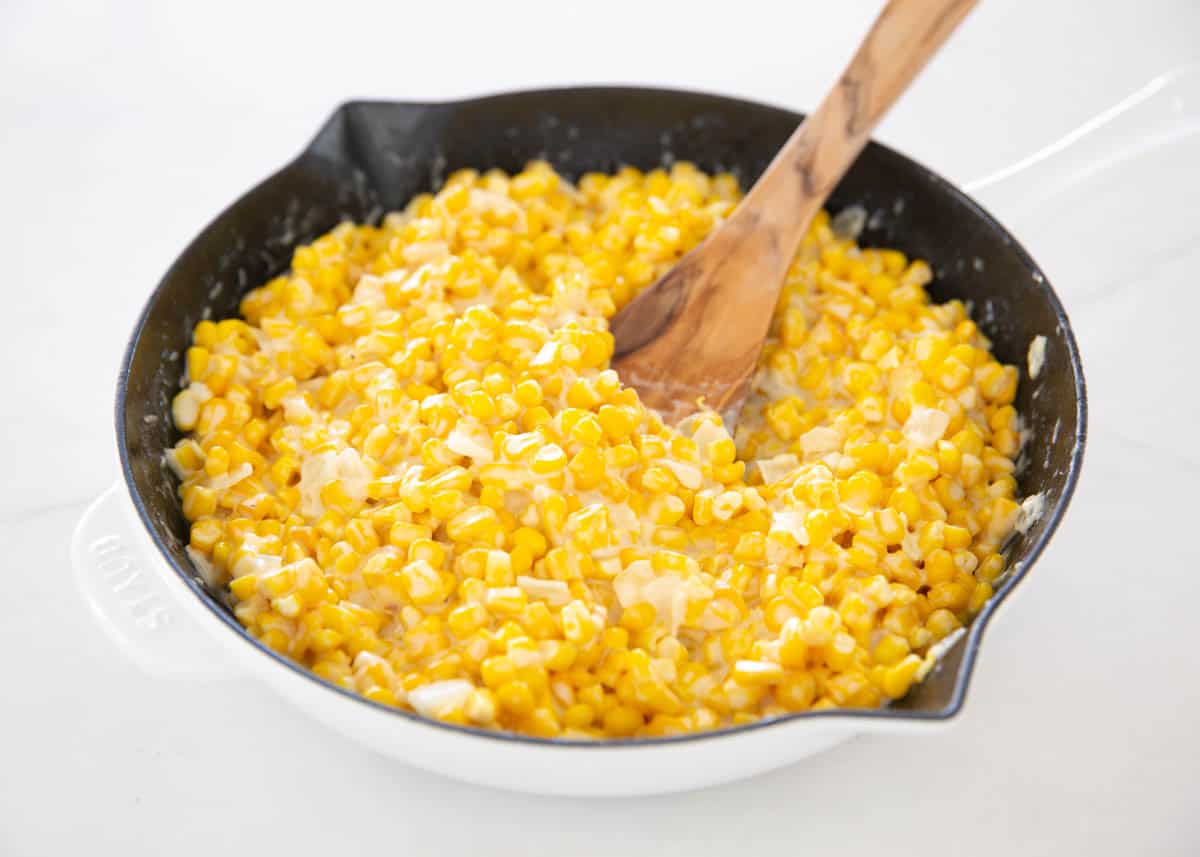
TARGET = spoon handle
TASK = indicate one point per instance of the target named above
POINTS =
(794, 187)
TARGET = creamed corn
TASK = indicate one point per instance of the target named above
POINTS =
(412, 468)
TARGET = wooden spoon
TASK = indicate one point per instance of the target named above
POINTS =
(697, 333)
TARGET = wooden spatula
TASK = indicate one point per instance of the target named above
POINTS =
(697, 333)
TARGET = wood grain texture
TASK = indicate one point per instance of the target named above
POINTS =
(697, 333)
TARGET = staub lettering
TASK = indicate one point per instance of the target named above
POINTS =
(126, 580)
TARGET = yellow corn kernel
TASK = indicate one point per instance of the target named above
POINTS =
(198, 501)
(205, 534)
(515, 697)
(891, 650)
(185, 408)
(579, 716)
(899, 677)
(466, 619)
(956, 537)
(949, 595)
(796, 691)
(622, 721)
(980, 594)
(559, 655)
(638, 617)
(506, 600)
(497, 671)
(549, 459)
(942, 622)
(244, 587)
(757, 673)
(577, 623)
(481, 707)
(726, 505)
(543, 722)
(991, 568)
(618, 422)
(793, 650)
(475, 524)
(939, 567)
(422, 582)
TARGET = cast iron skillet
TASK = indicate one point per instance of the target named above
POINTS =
(371, 157)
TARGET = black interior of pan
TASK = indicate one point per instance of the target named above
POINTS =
(371, 157)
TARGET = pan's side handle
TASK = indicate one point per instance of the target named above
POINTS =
(1164, 111)
(125, 586)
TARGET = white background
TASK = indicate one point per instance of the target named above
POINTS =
(125, 127)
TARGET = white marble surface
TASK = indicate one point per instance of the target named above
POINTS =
(125, 126)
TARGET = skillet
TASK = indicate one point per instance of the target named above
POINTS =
(371, 157)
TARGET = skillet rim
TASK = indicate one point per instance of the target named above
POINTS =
(974, 632)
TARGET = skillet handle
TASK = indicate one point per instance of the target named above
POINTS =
(123, 584)
(1164, 111)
